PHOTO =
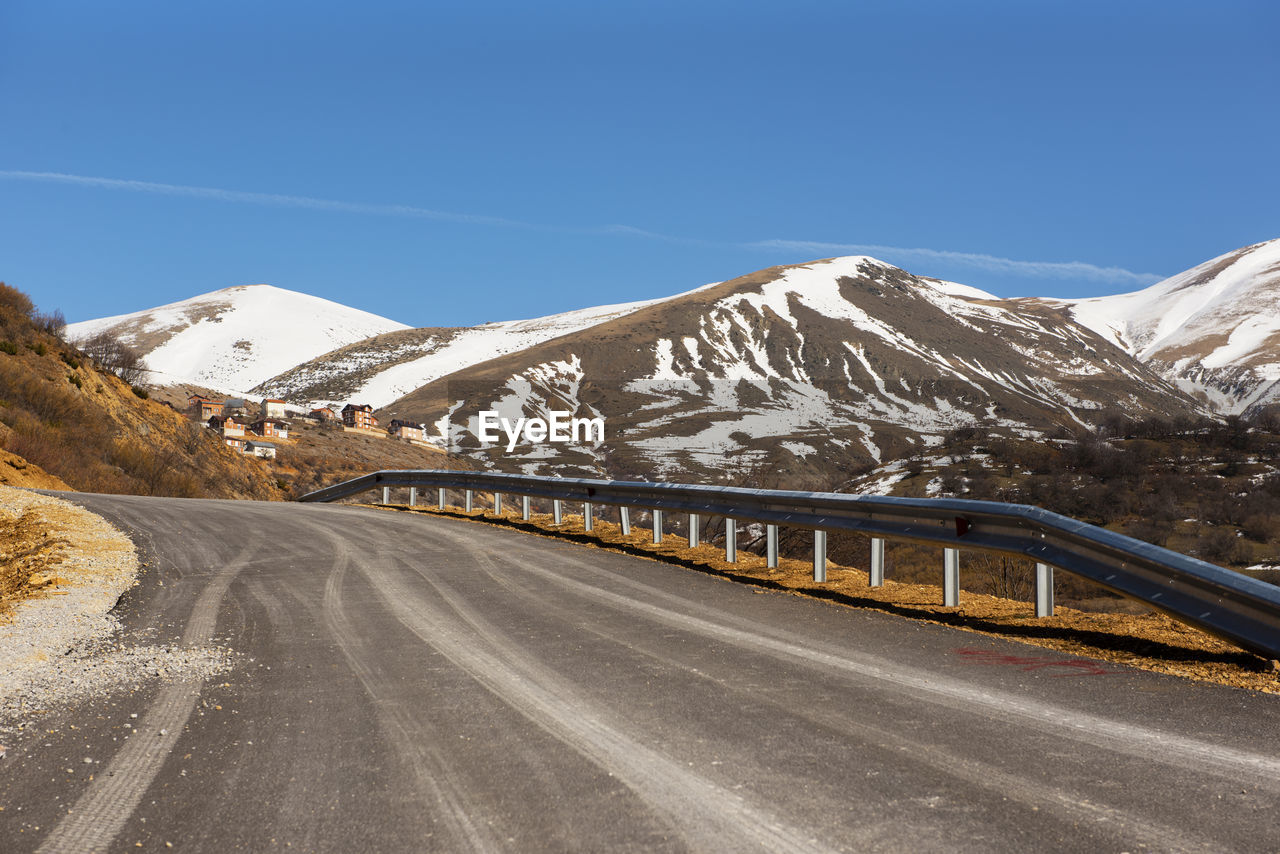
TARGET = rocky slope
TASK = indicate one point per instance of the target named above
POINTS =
(92, 432)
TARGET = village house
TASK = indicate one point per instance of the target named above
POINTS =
(407, 430)
(273, 408)
(235, 406)
(271, 428)
(235, 442)
(202, 408)
(265, 450)
(324, 413)
(228, 426)
(359, 416)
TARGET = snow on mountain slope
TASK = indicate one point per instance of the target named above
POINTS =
(1214, 329)
(234, 339)
(822, 367)
(382, 369)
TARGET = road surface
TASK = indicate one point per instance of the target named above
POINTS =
(415, 683)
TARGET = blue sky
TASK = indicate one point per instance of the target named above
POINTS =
(451, 163)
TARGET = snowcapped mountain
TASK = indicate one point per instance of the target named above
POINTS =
(804, 369)
(1214, 330)
(809, 368)
(236, 338)
(381, 369)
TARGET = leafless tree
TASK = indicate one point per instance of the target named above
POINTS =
(112, 354)
(54, 322)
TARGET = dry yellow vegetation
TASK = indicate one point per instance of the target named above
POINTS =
(96, 433)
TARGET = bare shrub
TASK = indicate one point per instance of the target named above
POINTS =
(54, 322)
(112, 354)
(1000, 575)
(14, 302)
(1221, 545)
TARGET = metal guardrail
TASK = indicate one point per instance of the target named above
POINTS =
(1232, 606)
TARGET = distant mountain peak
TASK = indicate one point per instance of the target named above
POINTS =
(233, 339)
(1214, 329)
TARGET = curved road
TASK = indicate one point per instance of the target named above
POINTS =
(414, 683)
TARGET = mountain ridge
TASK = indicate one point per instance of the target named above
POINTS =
(894, 358)
(1214, 329)
(846, 359)
(233, 339)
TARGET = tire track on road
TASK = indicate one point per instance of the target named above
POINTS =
(1070, 807)
(1131, 739)
(107, 804)
(435, 779)
(707, 816)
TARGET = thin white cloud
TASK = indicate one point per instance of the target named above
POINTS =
(1078, 270)
(990, 263)
(270, 199)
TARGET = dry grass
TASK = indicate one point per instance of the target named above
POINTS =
(1150, 641)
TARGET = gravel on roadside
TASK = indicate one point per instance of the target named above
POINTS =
(64, 645)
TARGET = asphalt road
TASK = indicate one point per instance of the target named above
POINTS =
(410, 683)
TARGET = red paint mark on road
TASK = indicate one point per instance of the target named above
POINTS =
(1077, 666)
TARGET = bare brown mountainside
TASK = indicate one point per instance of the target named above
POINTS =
(95, 432)
(339, 375)
(836, 364)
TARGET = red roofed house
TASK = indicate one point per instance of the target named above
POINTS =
(272, 408)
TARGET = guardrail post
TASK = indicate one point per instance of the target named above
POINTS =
(693, 530)
(386, 495)
(441, 498)
(524, 507)
(470, 497)
(624, 518)
(587, 521)
(1044, 590)
(730, 541)
(557, 510)
(771, 545)
(413, 496)
(877, 562)
(657, 526)
(497, 504)
(819, 555)
(951, 578)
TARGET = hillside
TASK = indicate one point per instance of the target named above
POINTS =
(386, 367)
(1214, 330)
(96, 433)
(833, 365)
(319, 455)
(236, 338)
(1205, 488)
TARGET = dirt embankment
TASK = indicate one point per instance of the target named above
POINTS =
(30, 553)
(15, 471)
